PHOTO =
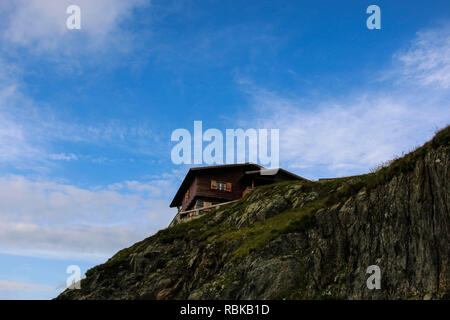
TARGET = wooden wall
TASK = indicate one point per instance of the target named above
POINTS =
(201, 186)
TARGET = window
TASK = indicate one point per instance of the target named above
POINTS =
(221, 186)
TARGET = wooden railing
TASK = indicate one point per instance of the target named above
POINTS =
(183, 216)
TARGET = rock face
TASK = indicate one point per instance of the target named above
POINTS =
(300, 240)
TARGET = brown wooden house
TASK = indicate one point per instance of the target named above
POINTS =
(207, 186)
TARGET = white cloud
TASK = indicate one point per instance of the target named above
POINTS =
(63, 156)
(427, 61)
(24, 290)
(6, 285)
(41, 24)
(346, 137)
(44, 218)
(16, 112)
(351, 135)
(13, 143)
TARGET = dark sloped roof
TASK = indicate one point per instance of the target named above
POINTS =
(278, 171)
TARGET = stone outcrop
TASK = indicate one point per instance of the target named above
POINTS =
(301, 240)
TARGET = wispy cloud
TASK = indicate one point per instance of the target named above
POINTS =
(29, 129)
(336, 137)
(45, 218)
(427, 60)
(63, 156)
(24, 290)
(14, 142)
(6, 285)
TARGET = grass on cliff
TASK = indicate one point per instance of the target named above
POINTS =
(256, 235)
(407, 162)
(331, 192)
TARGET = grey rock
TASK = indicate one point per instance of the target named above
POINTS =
(400, 223)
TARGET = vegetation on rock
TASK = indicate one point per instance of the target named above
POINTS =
(301, 240)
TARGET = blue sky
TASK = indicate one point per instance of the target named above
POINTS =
(86, 115)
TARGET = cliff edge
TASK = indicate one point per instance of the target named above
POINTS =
(301, 240)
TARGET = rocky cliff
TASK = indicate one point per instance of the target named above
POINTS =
(301, 240)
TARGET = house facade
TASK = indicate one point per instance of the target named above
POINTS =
(208, 186)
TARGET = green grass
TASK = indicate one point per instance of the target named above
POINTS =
(258, 234)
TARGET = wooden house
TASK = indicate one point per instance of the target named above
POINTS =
(207, 186)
